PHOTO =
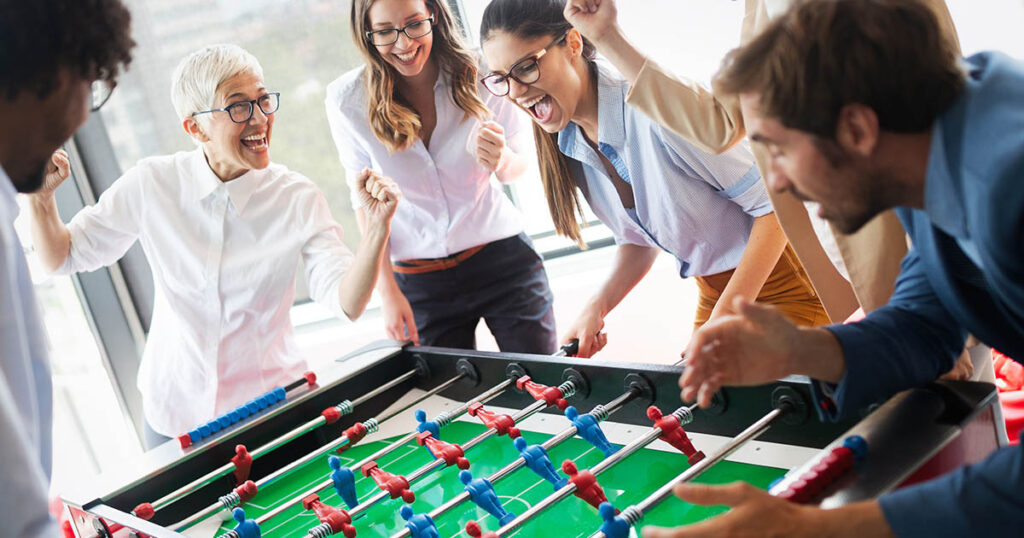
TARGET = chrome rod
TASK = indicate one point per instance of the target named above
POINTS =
(569, 488)
(568, 389)
(341, 441)
(228, 467)
(461, 409)
(557, 439)
(635, 512)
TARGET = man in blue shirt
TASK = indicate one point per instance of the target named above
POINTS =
(863, 106)
(58, 60)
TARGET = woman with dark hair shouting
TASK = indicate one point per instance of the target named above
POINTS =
(653, 189)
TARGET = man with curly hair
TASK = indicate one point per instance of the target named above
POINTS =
(58, 60)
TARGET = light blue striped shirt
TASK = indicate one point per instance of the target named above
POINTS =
(697, 206)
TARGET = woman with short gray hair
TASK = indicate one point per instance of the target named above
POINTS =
(223, 229)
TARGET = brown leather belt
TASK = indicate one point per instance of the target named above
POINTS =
(415, 267)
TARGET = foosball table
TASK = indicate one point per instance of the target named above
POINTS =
(423, 442)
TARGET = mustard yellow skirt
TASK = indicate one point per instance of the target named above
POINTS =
(788, 288)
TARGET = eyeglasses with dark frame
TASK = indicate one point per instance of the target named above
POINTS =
(413, 30)
(100, 90)
(241, 111)
(525, 71)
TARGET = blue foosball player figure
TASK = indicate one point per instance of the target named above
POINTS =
(589, 430)
(344, 481)
(614, 526)
(481, 491)
(246, 528)
(538, 461)
(419, 525)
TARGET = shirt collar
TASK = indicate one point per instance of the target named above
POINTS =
(942, 203)
(206, 182)
(611, 124)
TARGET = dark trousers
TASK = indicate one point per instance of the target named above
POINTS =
(504, 283)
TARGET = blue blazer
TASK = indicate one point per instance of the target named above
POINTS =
(964, 273)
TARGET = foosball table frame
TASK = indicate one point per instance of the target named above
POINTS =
(918, 434)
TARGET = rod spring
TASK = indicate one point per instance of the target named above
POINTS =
(371, 425)
(230, 500)
(568, 389)
(684, 415)
(322, 530)
(443, 419)
(632, 514)
(599, 412)
(230, 534)
(345, 407)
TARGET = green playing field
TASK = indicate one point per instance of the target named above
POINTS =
(626, 483)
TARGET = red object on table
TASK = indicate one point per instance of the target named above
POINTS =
(586, 484)
(396, 485)
(338, 519)
(504, 424)
(550, 395)
(672, 432)
(451, 453)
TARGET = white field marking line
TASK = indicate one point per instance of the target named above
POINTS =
(332, 494)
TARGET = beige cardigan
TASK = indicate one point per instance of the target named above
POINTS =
(714, 123)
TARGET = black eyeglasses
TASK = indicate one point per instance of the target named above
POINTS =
(241, 111)
(525, 71)
(101, 90)
(413, 30)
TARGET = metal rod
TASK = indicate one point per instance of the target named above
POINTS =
(568, 388)
(341, 441)
(228, 467)
(461, 409)
(558, 438)
(569, 488)
(635, 512)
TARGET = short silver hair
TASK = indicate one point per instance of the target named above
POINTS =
(197, 77)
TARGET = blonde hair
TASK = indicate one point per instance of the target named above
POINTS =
(394, 122)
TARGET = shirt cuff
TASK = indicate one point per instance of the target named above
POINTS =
(833, 400)
(641, 76)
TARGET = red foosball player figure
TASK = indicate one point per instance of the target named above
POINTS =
(672, 432)
(586, 484)
(396, 485)
(243, 463)
(473, 529)
(503, 424)
(338, 519)
(451, 453)
(550, 395)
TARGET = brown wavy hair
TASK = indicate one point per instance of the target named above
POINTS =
(529, 19)
(393, 121)
(891, 55)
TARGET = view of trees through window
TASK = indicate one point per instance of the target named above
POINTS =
(302, 45)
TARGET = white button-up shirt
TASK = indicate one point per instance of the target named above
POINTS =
(697, 206)
(449, 202)
(224, 258)
(26, 394)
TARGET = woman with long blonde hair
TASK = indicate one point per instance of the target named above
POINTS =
(414, 113)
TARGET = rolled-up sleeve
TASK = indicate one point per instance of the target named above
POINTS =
(732, 174)
(325, 256)
(351, 153)
(102, 233)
